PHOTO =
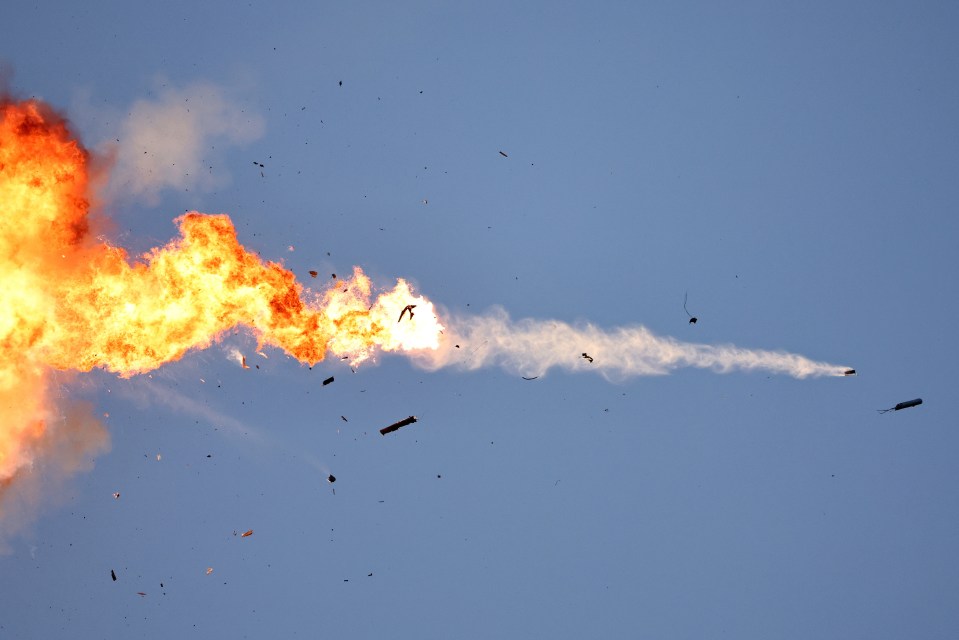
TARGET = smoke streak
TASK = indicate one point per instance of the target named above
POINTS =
(533, 347)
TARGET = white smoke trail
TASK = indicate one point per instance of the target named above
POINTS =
(533, 347)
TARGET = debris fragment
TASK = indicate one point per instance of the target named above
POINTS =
(409, 308)
(849, 372)
(116, 495)
(587, 356)
(328, 381)
(113, 574)
(209, 570)
(331, 479)
(314, 273)
(343, 418)
(247, 534)
(141, 594)
(397, 425)
(243, 362)
(502, 153)
(692, 318)
(534, 377)
(902, 405)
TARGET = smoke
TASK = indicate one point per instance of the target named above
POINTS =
(533, 347)
(175, 140)
(67, 447)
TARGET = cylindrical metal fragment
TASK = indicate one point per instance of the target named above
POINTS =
(396, 425)
(906, 405)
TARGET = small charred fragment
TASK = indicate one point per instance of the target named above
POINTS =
(331, 479)
(247, 534)
(533, 378)
(849, 372)
(409, 308)
(503, 153)
(902, 405)
(328, 381)
(113, 574)
(343, 418)
(586, 356)
(313, 274)
(397, 425)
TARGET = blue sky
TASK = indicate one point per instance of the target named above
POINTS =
(791, 168)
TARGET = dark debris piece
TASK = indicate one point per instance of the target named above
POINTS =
(328, 381)
(502, 153)
(533, 378)
(313, 274)
(331, 479)
(849, 372)
(397, 425)
(692, 318)
(343, 418)
(587, 356)
(902, 405)
(409, 308)
(113, 574)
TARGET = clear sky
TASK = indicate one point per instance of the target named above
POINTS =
(793, 168)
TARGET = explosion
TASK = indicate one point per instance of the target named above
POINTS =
(72, 302)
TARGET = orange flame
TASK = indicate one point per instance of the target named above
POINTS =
(71, 302)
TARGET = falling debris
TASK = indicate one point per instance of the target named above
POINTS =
(502, 153)
(113, 574)
(116, 495)
(534, 377)
(314, 273)
(141, 594)
(692, 318)
(247, 534)
(902, 405)
(328, 381)
(409, 308)
(587, 356)
(243, 362)
(343, 418)
(397, 425)
(849, 372)
(331, 479)
(209, 570)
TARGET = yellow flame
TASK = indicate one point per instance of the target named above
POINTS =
(70, 302)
